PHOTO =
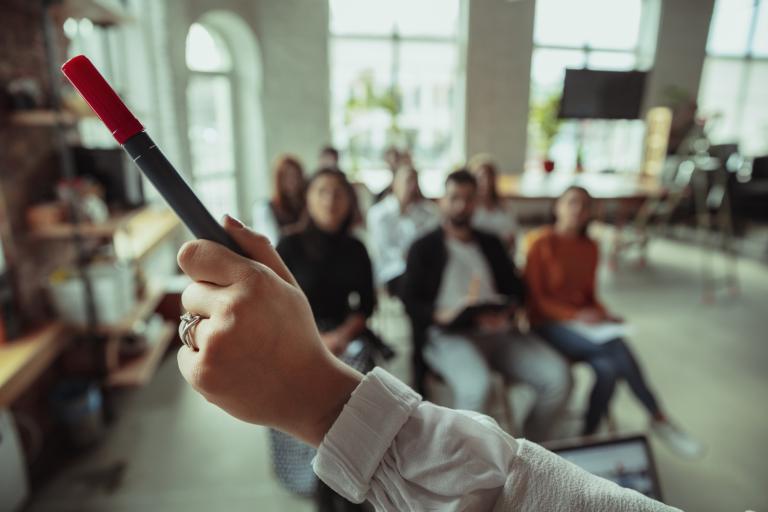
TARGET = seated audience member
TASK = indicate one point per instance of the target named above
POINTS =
(334, 272)
(560, 271)
(284, 211)
(492, 213)
(394, 223)
(456, 266)
(328, 158)
(394, 159)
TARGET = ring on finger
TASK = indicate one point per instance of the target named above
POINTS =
(188, 321)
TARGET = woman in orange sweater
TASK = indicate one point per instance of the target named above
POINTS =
(560, 272)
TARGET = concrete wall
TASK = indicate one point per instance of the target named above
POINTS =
(29, 164)
(681, 47)
(500, 42)
(294, 39)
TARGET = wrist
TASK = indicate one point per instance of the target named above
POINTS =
(326, 403)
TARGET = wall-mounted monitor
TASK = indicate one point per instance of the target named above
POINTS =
(593, 94)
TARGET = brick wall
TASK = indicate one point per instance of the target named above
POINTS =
(28, 161)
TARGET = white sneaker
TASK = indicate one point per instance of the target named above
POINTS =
(678, 440)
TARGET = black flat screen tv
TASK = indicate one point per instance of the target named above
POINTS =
(592, 94)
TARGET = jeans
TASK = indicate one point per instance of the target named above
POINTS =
(610, 361)
(464, 360)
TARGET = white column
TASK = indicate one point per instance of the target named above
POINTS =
(294, 42)
(681, 47)
(500, 42)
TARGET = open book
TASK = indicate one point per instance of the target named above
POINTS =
(466, 319)
(600, 333)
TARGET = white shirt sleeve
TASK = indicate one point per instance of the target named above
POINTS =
(385, 240)
(402, 454)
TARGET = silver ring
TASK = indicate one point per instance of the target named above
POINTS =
(188, 321)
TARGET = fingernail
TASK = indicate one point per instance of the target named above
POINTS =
(232, 222)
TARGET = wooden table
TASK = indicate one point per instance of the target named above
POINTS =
(536, 186)
(23, 360)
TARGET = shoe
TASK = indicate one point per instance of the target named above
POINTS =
(677, 440)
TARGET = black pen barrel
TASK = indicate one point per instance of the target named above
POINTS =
(176, 191)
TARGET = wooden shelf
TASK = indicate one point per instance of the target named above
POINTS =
(140, 370)
(87, 230)
(145, 307)
(24, 359)
(143, 232)
(40, 117)
(135, 232)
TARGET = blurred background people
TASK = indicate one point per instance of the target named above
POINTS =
(492, 214)
(328, 158)
(394, 223)
(284, 211)
(454, 267)
(394, 158)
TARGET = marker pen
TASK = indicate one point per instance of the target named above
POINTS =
(129, 133)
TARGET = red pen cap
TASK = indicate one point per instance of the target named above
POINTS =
(102, 98)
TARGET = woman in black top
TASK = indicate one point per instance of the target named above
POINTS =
(334, 271)
(331, 266)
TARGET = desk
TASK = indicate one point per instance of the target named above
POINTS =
(24, 359)
(536, 186)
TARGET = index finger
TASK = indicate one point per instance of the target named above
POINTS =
(207, 261)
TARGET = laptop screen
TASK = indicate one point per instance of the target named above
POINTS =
(626, 461)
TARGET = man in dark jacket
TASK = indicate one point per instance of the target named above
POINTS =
(452, 268)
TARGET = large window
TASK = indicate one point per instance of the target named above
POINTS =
(395, 80)
(734, 87)
(592, 34)
(210, 120)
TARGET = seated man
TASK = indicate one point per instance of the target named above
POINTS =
(454, 267)
(394, 223)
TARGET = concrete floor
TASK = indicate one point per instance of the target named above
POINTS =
(170, 450)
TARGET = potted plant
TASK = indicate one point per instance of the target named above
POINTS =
(544, 117)
(365, 98)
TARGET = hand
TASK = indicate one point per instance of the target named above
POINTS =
(590, 316)
(446, 316)
(493, 322)
(259, 357)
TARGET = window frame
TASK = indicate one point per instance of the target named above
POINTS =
(748, 58)
(370, 172)
(231, 76)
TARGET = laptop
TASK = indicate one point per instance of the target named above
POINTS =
(626, 460)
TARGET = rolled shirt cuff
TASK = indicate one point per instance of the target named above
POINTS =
(356, 443)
